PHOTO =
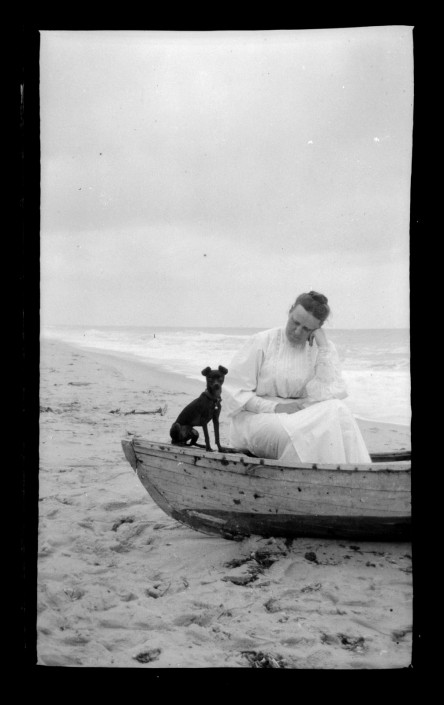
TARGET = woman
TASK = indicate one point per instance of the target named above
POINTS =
(284, 389)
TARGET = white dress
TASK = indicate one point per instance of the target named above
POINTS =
(269, 370)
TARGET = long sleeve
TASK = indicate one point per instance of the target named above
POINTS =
(327, 382)
(241, 382)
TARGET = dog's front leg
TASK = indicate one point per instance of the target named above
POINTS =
(216, 433)
(207, 436)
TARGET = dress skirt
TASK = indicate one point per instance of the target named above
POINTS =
(325, 432)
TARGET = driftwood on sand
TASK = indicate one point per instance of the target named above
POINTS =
(161, 410)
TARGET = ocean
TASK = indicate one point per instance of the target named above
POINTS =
(375, 363)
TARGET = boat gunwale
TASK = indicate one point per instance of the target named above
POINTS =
(241, 459)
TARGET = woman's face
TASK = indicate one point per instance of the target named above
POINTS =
(300, 325)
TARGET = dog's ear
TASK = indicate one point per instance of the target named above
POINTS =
(206, 371)
(223, 370)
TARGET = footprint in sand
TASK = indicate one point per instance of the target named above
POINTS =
(155, 592)
(185, 620)
(273, 605)
(128, 597)
(400, 634)
(298, 641)
(74, 593)
(312, 588)
(52, 514)
(124, 520)
(351, 643)
(259, 659)
(45, 551)
(76, 640)
(240, 579)
(114, 505)
(148, 656)
(162, 587)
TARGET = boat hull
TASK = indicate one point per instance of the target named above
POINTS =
(234, 495)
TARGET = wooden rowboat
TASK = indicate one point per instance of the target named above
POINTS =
(235, 495)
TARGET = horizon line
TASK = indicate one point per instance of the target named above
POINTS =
(150, 325)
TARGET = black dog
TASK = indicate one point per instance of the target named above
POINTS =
(201, 411)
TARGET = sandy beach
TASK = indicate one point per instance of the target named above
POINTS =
(122, 585)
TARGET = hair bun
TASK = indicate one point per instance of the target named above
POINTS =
(320, 298)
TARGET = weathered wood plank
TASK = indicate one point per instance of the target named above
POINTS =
(293, 481)
(195, 490)
(275, 488)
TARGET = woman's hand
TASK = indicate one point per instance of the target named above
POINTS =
(320, 337)
(289, 407)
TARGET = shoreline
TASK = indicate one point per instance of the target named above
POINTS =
(147, 371)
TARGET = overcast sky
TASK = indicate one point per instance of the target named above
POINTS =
(208, 178)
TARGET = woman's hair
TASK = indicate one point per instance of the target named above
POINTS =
(314, 303)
